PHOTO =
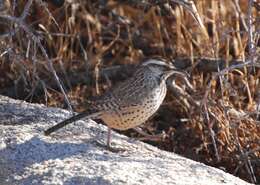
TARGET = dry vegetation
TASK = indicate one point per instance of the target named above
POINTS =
(89, 46)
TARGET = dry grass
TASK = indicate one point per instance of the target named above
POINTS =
(84, 44)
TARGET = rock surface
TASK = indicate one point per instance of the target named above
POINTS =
(76, 155)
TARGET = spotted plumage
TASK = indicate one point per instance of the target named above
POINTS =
(132, 102)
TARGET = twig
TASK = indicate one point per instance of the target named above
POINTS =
(240, 14)
(246, 161)
(22, 25)
(225, 71)
(43, 4)
(204, 100)
(212, 133)
(250, 31)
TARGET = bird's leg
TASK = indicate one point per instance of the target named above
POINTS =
(108, 137)
(109, 147)
(149, 137)
(108, 142)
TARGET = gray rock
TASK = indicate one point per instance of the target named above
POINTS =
(76, 154)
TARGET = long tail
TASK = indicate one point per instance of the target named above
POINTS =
(70, 120)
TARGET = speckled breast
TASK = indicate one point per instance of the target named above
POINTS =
(126, 117)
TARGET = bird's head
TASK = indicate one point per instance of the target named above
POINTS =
(162, 68)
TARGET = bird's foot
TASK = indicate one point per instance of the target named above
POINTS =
(110, 147)
(148, 137)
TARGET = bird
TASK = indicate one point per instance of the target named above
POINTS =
(132, 102)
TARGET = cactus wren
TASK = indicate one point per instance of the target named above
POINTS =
(132, 102)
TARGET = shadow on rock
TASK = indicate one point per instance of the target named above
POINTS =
(16, 157)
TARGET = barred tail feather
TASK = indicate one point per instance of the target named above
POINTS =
(71, 120)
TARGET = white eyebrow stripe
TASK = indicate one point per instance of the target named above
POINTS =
(154, 61)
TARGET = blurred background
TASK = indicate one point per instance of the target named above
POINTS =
(53, 49)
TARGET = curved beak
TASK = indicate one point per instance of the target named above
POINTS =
(184, 77)
(173, 71)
